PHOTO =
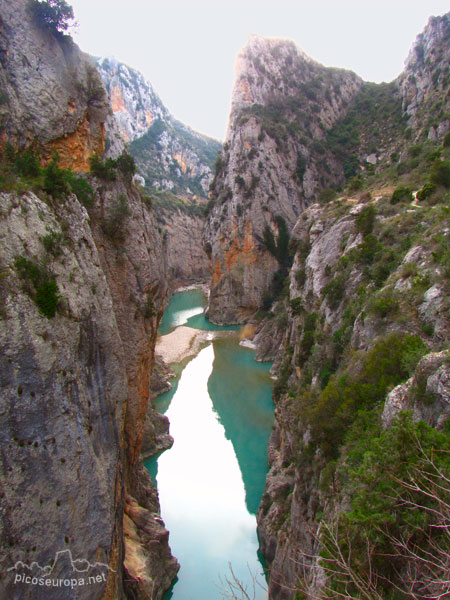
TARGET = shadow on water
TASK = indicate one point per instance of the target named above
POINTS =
(241, 393)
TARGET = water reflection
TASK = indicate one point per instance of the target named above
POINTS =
(211, 481)
(202, 492)
(245, 409)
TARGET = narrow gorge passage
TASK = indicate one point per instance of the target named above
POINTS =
(211, 481)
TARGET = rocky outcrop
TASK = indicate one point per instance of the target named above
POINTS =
(134, 102)
(426, 394)
(271, 167)
(169, 155)
(51, 93)
(333, 318)
(77, 389)
(188, 262)
(82, 292)
(425, 80)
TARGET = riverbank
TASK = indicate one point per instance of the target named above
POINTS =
(182, 343)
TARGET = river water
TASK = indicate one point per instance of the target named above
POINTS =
(211, 481)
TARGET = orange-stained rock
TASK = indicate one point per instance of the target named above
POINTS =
(76, 148)
(246, 93)
(179, 158)
(217, 273)
(117, 101)
(148, 118)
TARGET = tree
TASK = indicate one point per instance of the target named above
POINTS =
(54, 15)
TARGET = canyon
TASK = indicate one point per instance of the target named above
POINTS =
(322, 226)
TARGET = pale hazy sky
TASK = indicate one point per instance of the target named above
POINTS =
(187, 49)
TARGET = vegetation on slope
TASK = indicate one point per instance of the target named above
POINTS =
(147, 152)
(368, 478)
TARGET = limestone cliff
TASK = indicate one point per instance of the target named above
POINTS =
(169, 155)
(341, 304)
(82, 292)
(176, 165)
(272, 165)
(50, 92)
(425, 80)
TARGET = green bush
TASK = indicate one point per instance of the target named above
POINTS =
(334, 290)
(307, 341)
(440, 173)
(365, 220)
(387, 474)
(385, 365)
(126, 165)
(297, 306)
(446, 142)
(47, 298)
(114, 224)
(300, 167)
(327, 195)
(52, 242)
(44, 289)
(55, 15)
(383, 305)
(401, 194)
(367, 249)
(55, 179)
(27, 164)
(81, 188)
(103, 170)
(300, 277)
(427, 191)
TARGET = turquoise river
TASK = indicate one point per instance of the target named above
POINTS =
(211, 481)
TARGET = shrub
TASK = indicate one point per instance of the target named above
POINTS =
(308, 338)
(47, 297)
(401, 194)
(365, 220)
(383, 305)
(113, 225)
(386, 540)
(327, 195)
(27, 164)
(355, 184)
(332, 413)
(55, 15)
(446, 142)
(334, 291)
(81, 188)
(239, 181)
(427, 191)
(367, 249)
(300, 277)
(55, 179)
(52, 242)
(103, 170)
(297, 306)
(126, 165)
(300, 167)
(440, 173)
(44, 289)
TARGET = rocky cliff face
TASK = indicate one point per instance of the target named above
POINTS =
(425, 81)
(339, 307)
(176, 165)
(75, 382)
(169, 155)
(51, 93)
(273, 164)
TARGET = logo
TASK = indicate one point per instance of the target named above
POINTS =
(82, 572)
